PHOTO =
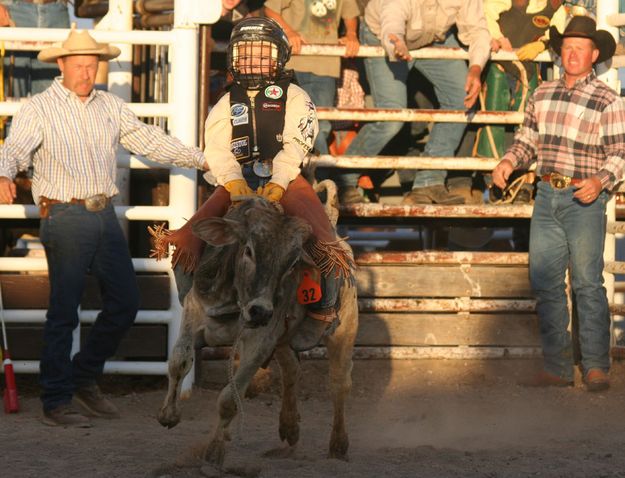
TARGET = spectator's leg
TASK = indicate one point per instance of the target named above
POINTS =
(387, 81)
(448, 78)
(548, 261)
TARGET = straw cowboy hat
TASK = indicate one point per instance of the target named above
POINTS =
(79, 43)
(584, 27)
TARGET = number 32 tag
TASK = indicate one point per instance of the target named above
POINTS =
(309, 290)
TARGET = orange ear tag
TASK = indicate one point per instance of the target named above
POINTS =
(309, 290)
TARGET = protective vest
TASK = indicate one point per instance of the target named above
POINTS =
(258, 123)
(521, 27)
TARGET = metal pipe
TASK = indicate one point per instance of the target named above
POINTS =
(465, 211)
(420, 115)
(38, 316)
(130, 368)
(441, 257)
(39, 264)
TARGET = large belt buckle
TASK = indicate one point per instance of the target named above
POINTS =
(263, 169)
(96, 203)
(559, 181)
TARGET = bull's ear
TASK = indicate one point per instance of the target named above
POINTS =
(217, 231)
(307, 259)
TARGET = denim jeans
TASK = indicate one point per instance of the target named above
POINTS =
(387, 80)
(565, 233)
(322, 92)
(78, 242)
(30, 75)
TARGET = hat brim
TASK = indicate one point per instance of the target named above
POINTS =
(50, 55)
(602, 39)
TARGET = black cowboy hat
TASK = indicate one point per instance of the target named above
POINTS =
(584, 27)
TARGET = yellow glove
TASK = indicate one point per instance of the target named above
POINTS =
(271, 192)
(531, 50)
(238, 187)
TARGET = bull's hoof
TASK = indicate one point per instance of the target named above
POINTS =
(338, 448)
(168, 417)
(215, 453)
(289, 432)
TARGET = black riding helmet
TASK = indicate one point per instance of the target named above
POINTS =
(264, 32)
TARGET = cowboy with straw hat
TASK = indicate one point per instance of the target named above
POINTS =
(70, 134)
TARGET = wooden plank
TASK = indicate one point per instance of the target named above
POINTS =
(519, 330)
(142, 342)
(31, 291)
(443, 281)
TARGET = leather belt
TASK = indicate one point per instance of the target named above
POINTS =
(560, 181)
(92, 204)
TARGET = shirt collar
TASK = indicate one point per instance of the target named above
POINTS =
(582, 82)
(63, 93)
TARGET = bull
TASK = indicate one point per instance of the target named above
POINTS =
(244, 293)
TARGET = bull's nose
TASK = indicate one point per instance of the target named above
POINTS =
(259, 315)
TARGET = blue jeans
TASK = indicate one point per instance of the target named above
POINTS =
(322, 92)
(387, 80)
(30, 75)
(78, 242)
(566, 233)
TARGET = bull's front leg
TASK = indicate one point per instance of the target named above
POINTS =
(254, 349)
(290, 371)
(180, 363)
(340, 348)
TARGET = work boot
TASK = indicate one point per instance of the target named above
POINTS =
(463, 186)
(351, 195)
(65, 416)
(596, 380)
(437, 194)
(316, 325)
(90, 397)
(545, 379)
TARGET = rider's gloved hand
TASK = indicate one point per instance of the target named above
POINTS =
(271, 192)
(238, 187)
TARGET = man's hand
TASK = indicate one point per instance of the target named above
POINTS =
(5, 17)
(350, 40)
(531, 50)
(238, 187)
(500, 44)
(7, 190)
(502, 172)
(401, 50)
(472, 86)
(271, 192)
(296, 41)
(588, 190)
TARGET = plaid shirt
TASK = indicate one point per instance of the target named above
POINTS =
(72, 145)
(578, 131)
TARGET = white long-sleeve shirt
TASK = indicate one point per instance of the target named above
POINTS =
(422, 22)
(72, 144)
(298, 136)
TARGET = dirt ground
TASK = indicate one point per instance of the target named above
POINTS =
(405, 419)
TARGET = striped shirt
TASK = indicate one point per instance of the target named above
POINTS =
(72, 144)
(578, 131)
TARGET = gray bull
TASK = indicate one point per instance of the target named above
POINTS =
(244, 289)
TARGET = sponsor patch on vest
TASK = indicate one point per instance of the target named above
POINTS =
(240, 147)
(271, 106)
(273, 92)
(239, 114)
(540, 21)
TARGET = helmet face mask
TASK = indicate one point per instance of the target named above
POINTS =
(257, 53)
